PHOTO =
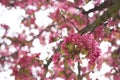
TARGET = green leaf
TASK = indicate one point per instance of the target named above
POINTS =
(70, 47)
(84, 52)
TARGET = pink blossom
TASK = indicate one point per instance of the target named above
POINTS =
(84, 42)
(116, 76)
(56, 57)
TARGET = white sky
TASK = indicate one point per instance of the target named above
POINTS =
(13, 19)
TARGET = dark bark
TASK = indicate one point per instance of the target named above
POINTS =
(111, 12)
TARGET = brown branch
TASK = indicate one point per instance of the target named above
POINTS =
(69, 20)
(111, 12)
(106, 4)
(48, 63)
(78, 71)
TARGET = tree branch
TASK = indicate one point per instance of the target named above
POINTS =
(69, 20)
(111, 12)
(79, 70)
(46, 65)
(106, 4)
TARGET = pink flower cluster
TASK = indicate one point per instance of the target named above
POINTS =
(24, 64)
(79, 43)
(56, 57)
